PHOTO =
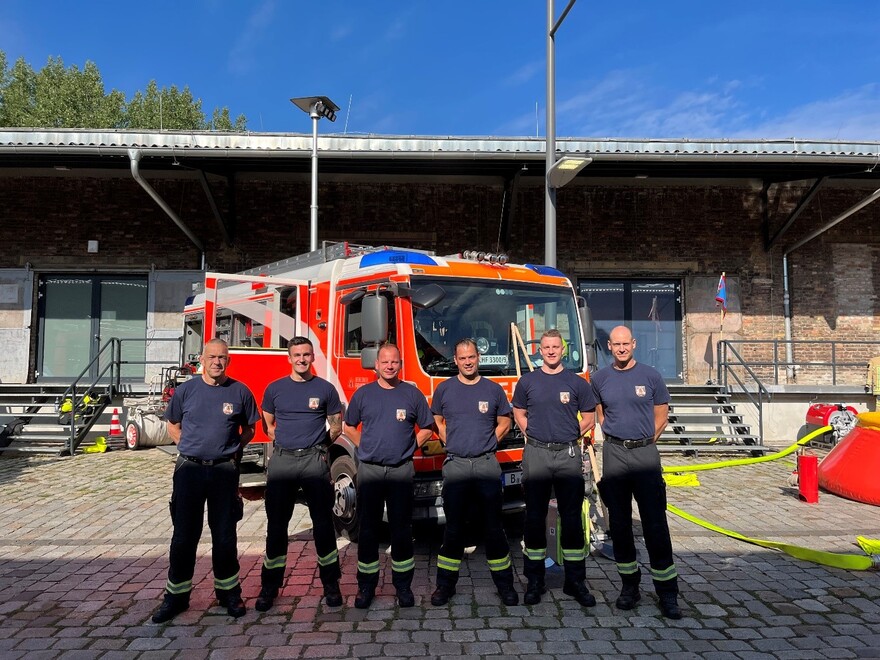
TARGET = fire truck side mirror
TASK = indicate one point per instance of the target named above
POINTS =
(427, 296)
(369, 355)
(374, 320)
(589, 331)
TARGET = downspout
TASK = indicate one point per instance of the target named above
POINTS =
(786, 296)
(135, 157)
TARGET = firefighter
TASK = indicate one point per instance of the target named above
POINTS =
(546, 404)
(388, 411)
(633, 410)
(297, 411)
(210, 418)
(472, 415)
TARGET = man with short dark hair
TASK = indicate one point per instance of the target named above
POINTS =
(554, 408)
(210, 418)
(297, 411)
(388, 411)
(472, 416)
(633, 410)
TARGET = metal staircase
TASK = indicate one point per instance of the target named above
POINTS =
(704, 418)
(33, 418)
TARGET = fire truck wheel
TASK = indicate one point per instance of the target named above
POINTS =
(344, 475)
(133, 435)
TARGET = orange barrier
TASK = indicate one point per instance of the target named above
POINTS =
(851, 468)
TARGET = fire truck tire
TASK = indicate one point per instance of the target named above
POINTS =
(134, 435)
(344, 474)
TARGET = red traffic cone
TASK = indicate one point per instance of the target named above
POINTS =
(116, 439)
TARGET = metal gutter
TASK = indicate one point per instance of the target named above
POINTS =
(135, 156)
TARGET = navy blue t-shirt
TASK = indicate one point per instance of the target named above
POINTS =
(389, 417)
(628, 398)
(301, 409)
(211, 417)
(553, 402)
(471, 413)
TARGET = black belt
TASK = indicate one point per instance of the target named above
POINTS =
(629, 444)
(389, 465)
(306, 451)
(205, 461)
(485, 453)
(552, 446)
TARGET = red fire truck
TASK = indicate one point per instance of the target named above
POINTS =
(349, 298)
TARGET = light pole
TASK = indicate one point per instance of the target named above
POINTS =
(558, 172)
(316, 107)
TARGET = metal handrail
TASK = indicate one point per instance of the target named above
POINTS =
(723, 375)
(790, 366)
(102, 384)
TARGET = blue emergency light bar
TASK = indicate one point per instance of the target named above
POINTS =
(545, 270)
(396, 257)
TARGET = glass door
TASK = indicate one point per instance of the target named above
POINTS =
(650, 308)
(77, 314)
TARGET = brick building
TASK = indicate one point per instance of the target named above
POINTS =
(644, 232)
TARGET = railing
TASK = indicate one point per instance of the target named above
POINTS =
(816, 362)
(730, 364)
(99, 382)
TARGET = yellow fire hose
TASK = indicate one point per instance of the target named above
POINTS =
(871, 558)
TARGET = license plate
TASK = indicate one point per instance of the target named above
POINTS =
(512, 478)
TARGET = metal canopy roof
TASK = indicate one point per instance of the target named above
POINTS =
(227, 153)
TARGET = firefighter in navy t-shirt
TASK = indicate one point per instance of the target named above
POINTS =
(546, 404)
(297, 411)
(633, 411)
(472, 416)
(388, 411)
(210, 418)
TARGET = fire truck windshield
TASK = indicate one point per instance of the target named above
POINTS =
(484, 311)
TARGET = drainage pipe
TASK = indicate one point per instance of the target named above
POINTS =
(135, 156)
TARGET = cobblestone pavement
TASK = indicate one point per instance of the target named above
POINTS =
(83, 545)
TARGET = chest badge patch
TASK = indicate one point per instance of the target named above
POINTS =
(483, 406)
(564, 397)
(641, 391)
(401, 414)
(314, 402)
(227, 408)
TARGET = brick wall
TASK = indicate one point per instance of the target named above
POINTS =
(649, 229)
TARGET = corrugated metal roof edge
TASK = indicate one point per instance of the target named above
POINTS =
(224, 145)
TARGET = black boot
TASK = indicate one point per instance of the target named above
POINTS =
(534, 590)
(266, 599)
(442, 594)
(332, 594)
(669, 604)
(504, 584)
(232, 601)
(365, 595)
(579, 591)
(629, 596)
(171, 606)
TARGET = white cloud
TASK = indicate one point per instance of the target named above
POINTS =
(241, 56)
(524, 74)
(851, 115)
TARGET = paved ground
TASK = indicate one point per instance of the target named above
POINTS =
(83, 545)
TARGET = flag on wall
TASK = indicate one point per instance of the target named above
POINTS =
(721, 295)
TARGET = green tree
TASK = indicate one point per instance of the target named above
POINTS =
(67, 97)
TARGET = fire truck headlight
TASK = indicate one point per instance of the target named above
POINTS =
(482, 345)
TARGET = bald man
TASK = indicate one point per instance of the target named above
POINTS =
(633, 410)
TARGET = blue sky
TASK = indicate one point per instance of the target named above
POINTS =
(639, 69)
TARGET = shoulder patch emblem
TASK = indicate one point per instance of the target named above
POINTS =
(314, 402)
(641, 391)
(564, 397)
(227, 408)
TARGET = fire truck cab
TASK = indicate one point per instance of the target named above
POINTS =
(348, 299)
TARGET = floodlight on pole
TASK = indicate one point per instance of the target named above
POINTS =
(566, 169)
(315, 107)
